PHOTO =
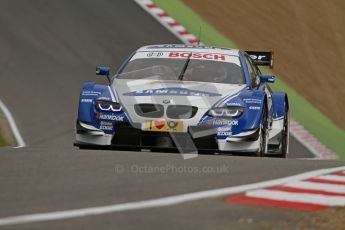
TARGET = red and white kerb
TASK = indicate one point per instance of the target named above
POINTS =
(168, 22)
(311, 194)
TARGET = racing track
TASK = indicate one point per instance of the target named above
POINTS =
(47, 50)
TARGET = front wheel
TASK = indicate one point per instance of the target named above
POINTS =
(284, 144)
(263, 134)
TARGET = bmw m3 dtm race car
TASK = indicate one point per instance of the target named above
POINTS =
(187, 98)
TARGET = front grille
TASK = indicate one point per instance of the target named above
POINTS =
(181, 111)
(149, 110)
(125, 134)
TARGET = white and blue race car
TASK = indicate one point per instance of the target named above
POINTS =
(187, 98)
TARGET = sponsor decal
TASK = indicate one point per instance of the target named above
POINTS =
(90, 93)
(154, 54)
(164, 126)
(258, 57)
(109, 117)
(223, 122)
(197, 55)
(261, 57)
(254, 107)
(159, 124)
(224, 133)
(106, 125)
(252, 100)
(193, 54)
(233, 104)
(172, 124)
(171, 91)
(104, 98)
(86, 100)
(179, 46)
(224, 128)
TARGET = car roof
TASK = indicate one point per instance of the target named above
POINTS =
(188, 48)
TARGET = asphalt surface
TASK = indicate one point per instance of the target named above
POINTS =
(47, 50)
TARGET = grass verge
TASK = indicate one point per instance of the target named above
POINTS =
(302, 110)
(332, 218)
(2, 141)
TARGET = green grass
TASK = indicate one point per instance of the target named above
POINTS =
(302, 111)
(2, 141)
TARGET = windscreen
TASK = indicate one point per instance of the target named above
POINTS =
(186, 66)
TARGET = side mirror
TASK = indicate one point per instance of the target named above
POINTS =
(103, 70)
(267, 78)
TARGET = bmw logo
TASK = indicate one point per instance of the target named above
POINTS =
(167, 101)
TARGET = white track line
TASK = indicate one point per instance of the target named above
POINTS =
(13, 125)
(161, 202)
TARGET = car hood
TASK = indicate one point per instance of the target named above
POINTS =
(200, 94)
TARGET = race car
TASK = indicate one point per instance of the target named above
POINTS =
(186, 97)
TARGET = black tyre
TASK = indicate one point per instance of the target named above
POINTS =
(263, 134)
(284, 144)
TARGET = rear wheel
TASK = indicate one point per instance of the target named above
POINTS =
(263, 134)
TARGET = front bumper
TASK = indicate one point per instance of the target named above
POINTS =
(197, 138)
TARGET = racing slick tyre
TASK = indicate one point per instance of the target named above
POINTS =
(284, 144)
(263, 133)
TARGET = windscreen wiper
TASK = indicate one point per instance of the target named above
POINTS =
(180, 77)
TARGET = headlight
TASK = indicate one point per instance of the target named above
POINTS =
(226, 112)
(107, 106)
